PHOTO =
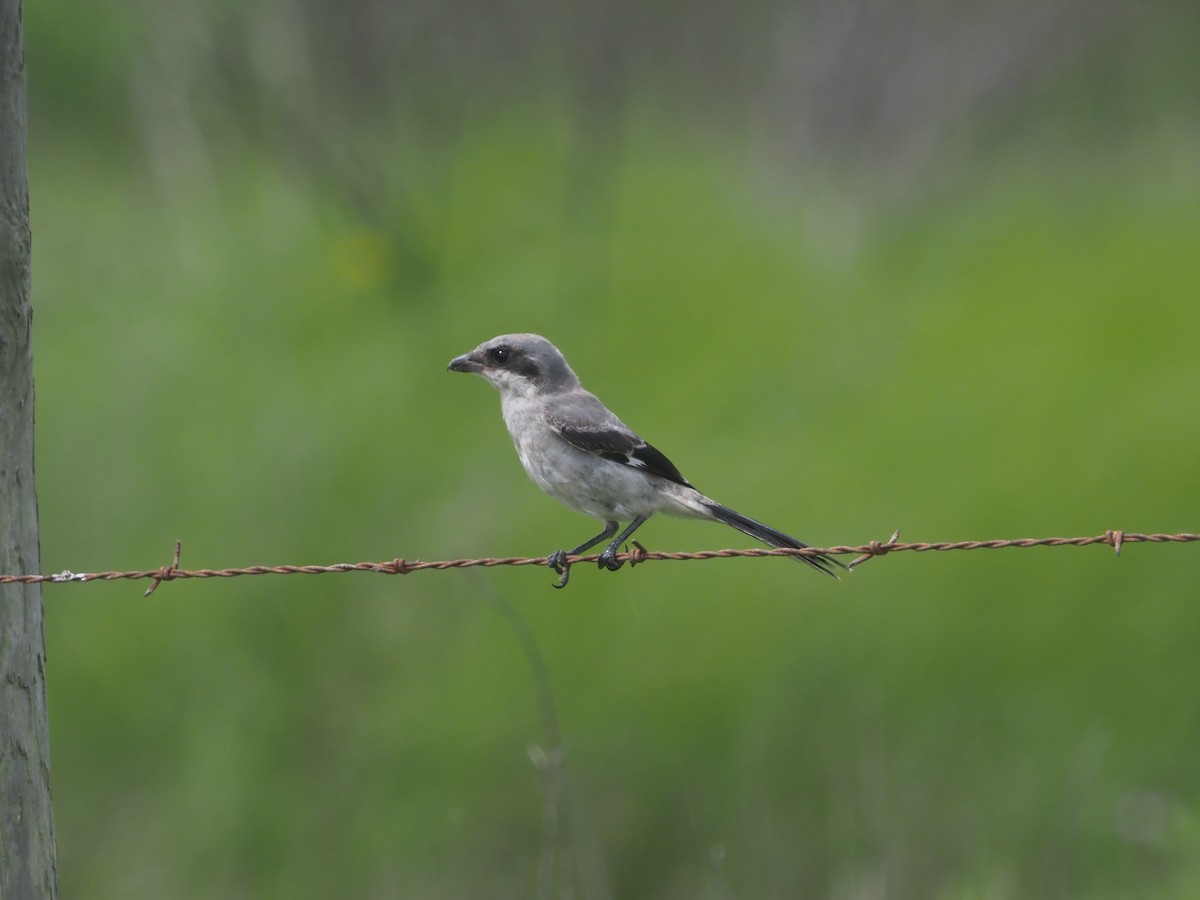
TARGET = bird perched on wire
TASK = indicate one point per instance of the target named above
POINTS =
(580, 453)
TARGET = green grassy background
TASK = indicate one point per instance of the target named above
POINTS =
(228, 353)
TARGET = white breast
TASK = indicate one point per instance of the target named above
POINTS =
(583, 481)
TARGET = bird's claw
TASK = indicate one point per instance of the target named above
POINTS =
(608, 560)
(558, 562)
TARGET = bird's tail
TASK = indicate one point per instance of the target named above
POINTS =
(770, 536)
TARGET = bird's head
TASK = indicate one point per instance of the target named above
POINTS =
(518, 365)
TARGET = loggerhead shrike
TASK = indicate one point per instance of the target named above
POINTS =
(578, 452)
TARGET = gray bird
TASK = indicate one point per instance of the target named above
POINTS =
(581, 454)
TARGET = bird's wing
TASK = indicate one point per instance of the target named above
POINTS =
(586, 423)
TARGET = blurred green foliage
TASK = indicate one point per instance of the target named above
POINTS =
(241, 341)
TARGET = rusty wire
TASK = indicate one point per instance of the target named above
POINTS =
(399, 566)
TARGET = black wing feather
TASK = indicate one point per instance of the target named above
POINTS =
(623, 447)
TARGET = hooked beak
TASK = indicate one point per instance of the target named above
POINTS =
(465, 363)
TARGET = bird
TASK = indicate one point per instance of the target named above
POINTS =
(580, 453)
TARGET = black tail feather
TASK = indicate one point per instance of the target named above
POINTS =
(771, 537)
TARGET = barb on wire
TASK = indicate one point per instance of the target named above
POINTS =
(398, 566)
(166, 573)
(875, 548)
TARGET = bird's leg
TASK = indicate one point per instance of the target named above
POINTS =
(558, 559)
(608, 559)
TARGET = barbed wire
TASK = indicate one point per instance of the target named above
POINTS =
(639, 554)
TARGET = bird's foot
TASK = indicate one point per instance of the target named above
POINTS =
(608, 559)
(558, 562)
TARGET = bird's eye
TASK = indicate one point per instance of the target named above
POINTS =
(500, 355)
